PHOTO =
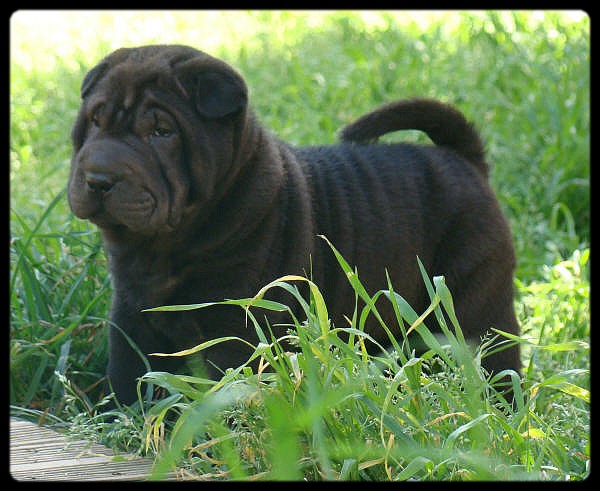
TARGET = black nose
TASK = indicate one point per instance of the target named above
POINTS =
(98, 181)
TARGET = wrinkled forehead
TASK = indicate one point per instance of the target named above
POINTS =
(127, 71)
(175, 74)
(125, 83)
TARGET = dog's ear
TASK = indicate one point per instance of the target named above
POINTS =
(219, 94)
(92, 77)
(217, 91)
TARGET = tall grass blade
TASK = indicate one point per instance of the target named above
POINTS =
(191, 422)
(29, 237)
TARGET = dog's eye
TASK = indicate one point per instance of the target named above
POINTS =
(95, 119)
(162, 132)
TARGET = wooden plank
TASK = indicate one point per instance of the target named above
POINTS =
(42, 454)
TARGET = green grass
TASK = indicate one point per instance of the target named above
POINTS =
(522, 78)
(340, 413)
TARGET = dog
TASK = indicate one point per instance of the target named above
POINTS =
(197, 202)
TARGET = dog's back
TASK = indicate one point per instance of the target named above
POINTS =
(382, 205)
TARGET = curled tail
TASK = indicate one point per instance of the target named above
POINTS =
(444, 125)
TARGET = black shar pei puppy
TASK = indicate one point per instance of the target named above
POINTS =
(197, 202)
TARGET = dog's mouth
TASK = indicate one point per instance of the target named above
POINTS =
(136, 209)
(124, 204)
(103, 219)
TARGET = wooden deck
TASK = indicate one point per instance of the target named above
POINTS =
(41, 454)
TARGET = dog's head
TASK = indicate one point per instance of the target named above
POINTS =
(155, 136)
